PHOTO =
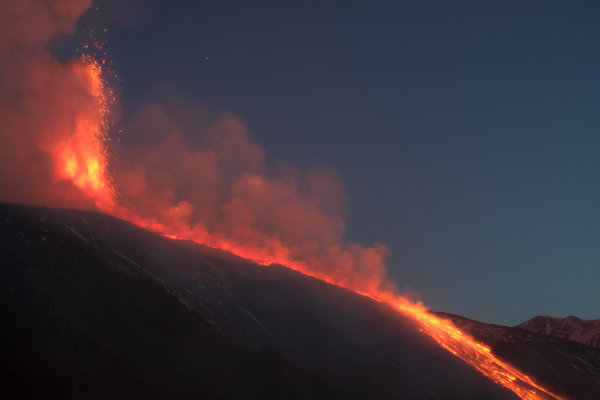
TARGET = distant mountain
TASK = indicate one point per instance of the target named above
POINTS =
(572, 328)
(93, 307)
(557, 362)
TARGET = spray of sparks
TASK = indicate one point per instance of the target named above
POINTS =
(82, 158)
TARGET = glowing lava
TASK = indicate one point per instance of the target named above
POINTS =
(468, 349)
(82, 160)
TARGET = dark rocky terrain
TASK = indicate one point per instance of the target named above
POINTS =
(94, 307)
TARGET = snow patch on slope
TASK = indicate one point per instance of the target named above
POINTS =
(572, 328)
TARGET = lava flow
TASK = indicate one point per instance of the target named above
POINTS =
(441, 330)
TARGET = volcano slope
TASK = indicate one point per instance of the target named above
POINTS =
(563, 365)
(94, 307)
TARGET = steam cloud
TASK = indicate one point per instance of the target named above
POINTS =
(200, 178)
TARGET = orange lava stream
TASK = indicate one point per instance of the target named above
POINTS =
(83, 161)
(469, 350)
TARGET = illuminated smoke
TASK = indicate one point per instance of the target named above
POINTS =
(218, 190)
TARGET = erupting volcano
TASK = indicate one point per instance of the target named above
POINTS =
(219, 192)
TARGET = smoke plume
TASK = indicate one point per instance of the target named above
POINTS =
(219, 190)
(198, 178)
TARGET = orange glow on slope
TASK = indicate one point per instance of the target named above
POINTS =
(82, 160)
(441, 330)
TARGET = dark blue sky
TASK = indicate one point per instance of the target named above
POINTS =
(466, 132)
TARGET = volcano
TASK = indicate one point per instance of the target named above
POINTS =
(95, 307)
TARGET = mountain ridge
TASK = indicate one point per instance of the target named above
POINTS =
(540, 354)
(571, 327)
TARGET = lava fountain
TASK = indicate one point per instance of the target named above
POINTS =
(81, 157)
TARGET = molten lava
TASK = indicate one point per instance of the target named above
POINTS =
(82, 160)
